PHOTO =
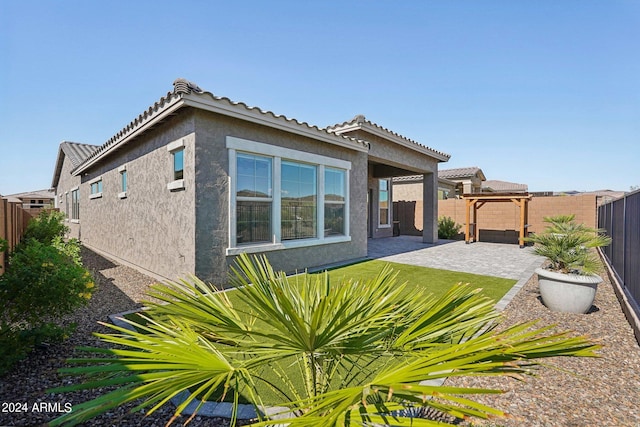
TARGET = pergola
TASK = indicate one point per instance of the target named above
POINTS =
(476, 201)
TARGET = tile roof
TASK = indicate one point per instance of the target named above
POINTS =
(76, 152)
(504, 186)
(37, 194)
(361, 122)
(186, 93)
(460, 172)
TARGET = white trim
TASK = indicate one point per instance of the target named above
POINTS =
(285, 153)
(232, 197)
(278, 154)
(390, 136)
(95, 196)
(122, 168)
(176, 185)
(389, 204)
(176, 145)
(74, 189)
(74, 221)
(122, 195)
(94, 180)
(287, 244)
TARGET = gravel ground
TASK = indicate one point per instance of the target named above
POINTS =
(575, 392)
(601, 391)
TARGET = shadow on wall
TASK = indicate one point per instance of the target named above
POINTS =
(405, 213)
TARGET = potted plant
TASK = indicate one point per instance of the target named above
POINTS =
(568, 283)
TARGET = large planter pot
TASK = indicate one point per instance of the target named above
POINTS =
(568, 293)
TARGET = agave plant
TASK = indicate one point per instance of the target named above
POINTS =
(567, 245)
(333, 354)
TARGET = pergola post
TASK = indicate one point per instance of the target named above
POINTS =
(475, 202)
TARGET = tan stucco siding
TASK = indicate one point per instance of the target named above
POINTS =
(153, 227)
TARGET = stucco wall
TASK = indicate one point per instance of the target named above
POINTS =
(212, 197)
(152, 228)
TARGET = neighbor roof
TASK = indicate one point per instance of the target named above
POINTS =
(188, 94)
(462, 173)
(361, 122)
(38, 194)
(76, 152)
(504, 186)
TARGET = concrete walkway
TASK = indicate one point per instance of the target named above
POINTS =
(487, 259)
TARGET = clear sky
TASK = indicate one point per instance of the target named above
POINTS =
(539, 92)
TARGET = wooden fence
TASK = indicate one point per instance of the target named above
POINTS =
(13, 223)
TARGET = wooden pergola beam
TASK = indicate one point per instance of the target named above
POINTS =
(476, 201)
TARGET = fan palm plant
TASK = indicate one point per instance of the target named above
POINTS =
(364, 353)
(567, 245)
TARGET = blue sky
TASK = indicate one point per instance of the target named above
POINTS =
(545, 93)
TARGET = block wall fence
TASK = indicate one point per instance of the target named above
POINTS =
(499, 221)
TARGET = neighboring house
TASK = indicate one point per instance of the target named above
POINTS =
(410, 187)
(497, 186)
(198, 179)
(34, 200)
(469, 180)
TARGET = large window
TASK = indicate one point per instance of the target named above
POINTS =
(254, 199)
(383, 203)
(334, 201)
(299, 191)
(284, 198)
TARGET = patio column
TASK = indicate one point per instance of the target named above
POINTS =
(429, 208)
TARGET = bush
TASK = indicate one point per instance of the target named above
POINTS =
(46, 226)
(41, 284)
(42, 281)
(447, 228)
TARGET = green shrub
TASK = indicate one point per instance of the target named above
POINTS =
(447, 228)
(41, 284)
(42, 281)
(46, 226)
(70, 248)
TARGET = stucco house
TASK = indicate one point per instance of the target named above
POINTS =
(197, 179)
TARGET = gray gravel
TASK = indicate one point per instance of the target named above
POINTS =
(575, 392)
(603, 391)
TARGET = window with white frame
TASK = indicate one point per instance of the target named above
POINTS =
(285, 198)
(75, 204)
(124, 182)
(95, 187)
(254, 198)
(178, 164)
(176, 150)
(334, 201)
(383, 203)
(298, 200)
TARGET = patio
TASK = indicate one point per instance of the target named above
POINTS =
(490, 259)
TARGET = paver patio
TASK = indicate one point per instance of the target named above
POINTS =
(488, 259)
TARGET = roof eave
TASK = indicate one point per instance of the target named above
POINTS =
(169, 109)
(255, 116)
(441, 157)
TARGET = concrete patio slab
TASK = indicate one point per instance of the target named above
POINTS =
(488, 259)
